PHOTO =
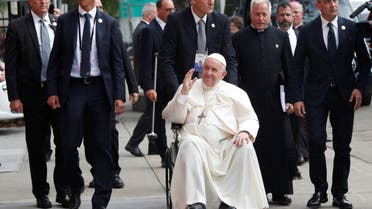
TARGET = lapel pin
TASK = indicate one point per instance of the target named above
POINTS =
(276, 45)
(343, 27)
(100, 20)
(54, 24)
(213, 25)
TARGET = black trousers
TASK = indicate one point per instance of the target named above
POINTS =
(341, 115)
(87, 114)
(114, 149)
(39, 118)
(143, 126)
(299, 137)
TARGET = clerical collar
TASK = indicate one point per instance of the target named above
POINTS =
(196, 18)
(298, 26)
(259, 31)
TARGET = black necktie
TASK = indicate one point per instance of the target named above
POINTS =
(85, 49)
(331, 41)
(331, 51)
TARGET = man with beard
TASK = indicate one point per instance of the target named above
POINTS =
(264, 56)
(284, 18)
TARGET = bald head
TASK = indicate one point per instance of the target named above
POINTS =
(99, 5)
(298, 13)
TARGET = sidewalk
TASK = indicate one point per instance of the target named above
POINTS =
(144, 178)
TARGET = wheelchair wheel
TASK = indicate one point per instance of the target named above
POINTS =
(171, 156)
(168, 178)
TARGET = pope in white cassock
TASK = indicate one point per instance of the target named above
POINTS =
(216, 166)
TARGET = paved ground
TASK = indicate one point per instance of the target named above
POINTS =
(144, 179)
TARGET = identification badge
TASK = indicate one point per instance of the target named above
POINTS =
(199, 60)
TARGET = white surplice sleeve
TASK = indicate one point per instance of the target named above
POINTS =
(176, 109)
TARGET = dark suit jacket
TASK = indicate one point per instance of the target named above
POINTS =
(137, 45)
(130, 77)
(152, 38)
(177, 54)
(22, 58)
(110, 60)
(310, 44)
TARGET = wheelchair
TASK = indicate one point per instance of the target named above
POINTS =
(170, 157)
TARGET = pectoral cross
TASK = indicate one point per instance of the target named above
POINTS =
(201, 116)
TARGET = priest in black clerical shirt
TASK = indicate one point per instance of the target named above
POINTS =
(264, 56)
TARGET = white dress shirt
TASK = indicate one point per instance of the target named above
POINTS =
(160, 22)
(292, 39)
(325, 30)
(37, 25)
(94, 70)
(196, 18)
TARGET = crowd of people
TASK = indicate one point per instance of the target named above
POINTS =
(242, 96)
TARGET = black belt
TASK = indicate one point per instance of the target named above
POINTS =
(88, 80)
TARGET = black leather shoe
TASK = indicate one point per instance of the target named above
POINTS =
(225, 206)
(49, 155)
(317, 199)
(43, 202)
(300, 160)
(197, 205)
(117, 183)
(281, 199)
(134, 150)
(297, 175)
(341, 202)
(63, 199)
(75, 201)
(163, 163)
(92, 184)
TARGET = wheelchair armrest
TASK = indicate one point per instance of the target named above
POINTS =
(176, 126)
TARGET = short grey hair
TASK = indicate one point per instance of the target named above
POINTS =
(148, 7)
(300, 6)
(261, 2)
